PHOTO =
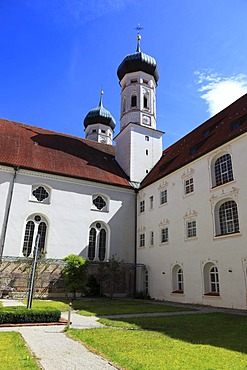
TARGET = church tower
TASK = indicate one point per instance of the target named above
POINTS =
(139, 144)
(99, 124)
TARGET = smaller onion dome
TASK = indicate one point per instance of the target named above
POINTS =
(100, 115)
(138, 61)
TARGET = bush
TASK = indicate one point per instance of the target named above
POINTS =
(20, 315)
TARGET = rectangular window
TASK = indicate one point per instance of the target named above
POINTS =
(151, 200)
(147, 138)
(142, 240)
(103, 131)
(163, 196)
(164, 235)
(133, 101)
(151, 238)
(191, 229)
(142, 206)
(146, 151)
(189, 186)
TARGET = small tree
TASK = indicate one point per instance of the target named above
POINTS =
(75, 274)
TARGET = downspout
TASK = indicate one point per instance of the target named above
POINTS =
(7, 212)
(135, 256)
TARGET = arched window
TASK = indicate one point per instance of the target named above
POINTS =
(228, 215)
(102, 244)
(223, 170)
(92, 243)
(28, 239)
(177, 279)
(211, 279)
(35, 225)
(98, 239)
(226, 218)
(214, 280)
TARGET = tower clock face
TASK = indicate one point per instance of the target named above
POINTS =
(146, 120)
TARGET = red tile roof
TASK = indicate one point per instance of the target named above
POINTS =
(223, 127)
(52, 152)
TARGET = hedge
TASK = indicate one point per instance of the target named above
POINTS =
(20, 315)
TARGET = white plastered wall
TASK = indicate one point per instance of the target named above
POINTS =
(69, 214)
(228, 253)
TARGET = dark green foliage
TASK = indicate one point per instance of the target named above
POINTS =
(75, 274)
(93, 287)
(108, 271)
(19, 315)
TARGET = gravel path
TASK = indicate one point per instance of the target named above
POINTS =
(54, 350)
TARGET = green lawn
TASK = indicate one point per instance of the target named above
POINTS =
(14, 354)
(101, 307)
(203, 342)
(106, 306)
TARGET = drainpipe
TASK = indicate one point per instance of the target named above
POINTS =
(6, 218)
(135, 257)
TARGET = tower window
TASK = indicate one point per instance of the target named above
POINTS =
(146, 151)
(133, 101)
(146, 138)
(133, 81)
(145, 102)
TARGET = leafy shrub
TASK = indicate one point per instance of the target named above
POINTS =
(19, 315)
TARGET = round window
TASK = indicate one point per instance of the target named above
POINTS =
(37, 218)
(98, 225)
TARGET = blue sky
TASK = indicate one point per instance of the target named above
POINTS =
(56, 56)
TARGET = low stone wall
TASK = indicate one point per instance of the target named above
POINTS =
(15, 275)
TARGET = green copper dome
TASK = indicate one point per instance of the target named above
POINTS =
(100, 115)
(138, 61)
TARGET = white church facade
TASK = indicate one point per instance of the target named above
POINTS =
(180, 214)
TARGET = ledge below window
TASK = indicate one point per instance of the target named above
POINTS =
(180, 292)
(211, 295)
(230, 235)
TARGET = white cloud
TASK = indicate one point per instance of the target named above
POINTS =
(219, 91)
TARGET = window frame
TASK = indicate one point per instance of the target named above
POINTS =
(164, 235)
(104, 198)
(226, 218)
(142, 206)
(98, 242)
(191, 229)
(163, 197)
(36, 229)
(189, 187)
(142, 240)
(222, 169)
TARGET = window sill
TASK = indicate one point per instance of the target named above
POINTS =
(99, 210)
(232, 235)
(164, 244)
(188, 194)
(215, 187)
(163, 204)
(211, 296)
(139, 248)
(178, 292)
(191, 238)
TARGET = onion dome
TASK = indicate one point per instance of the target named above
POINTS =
(100, 115)
(138, 62)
